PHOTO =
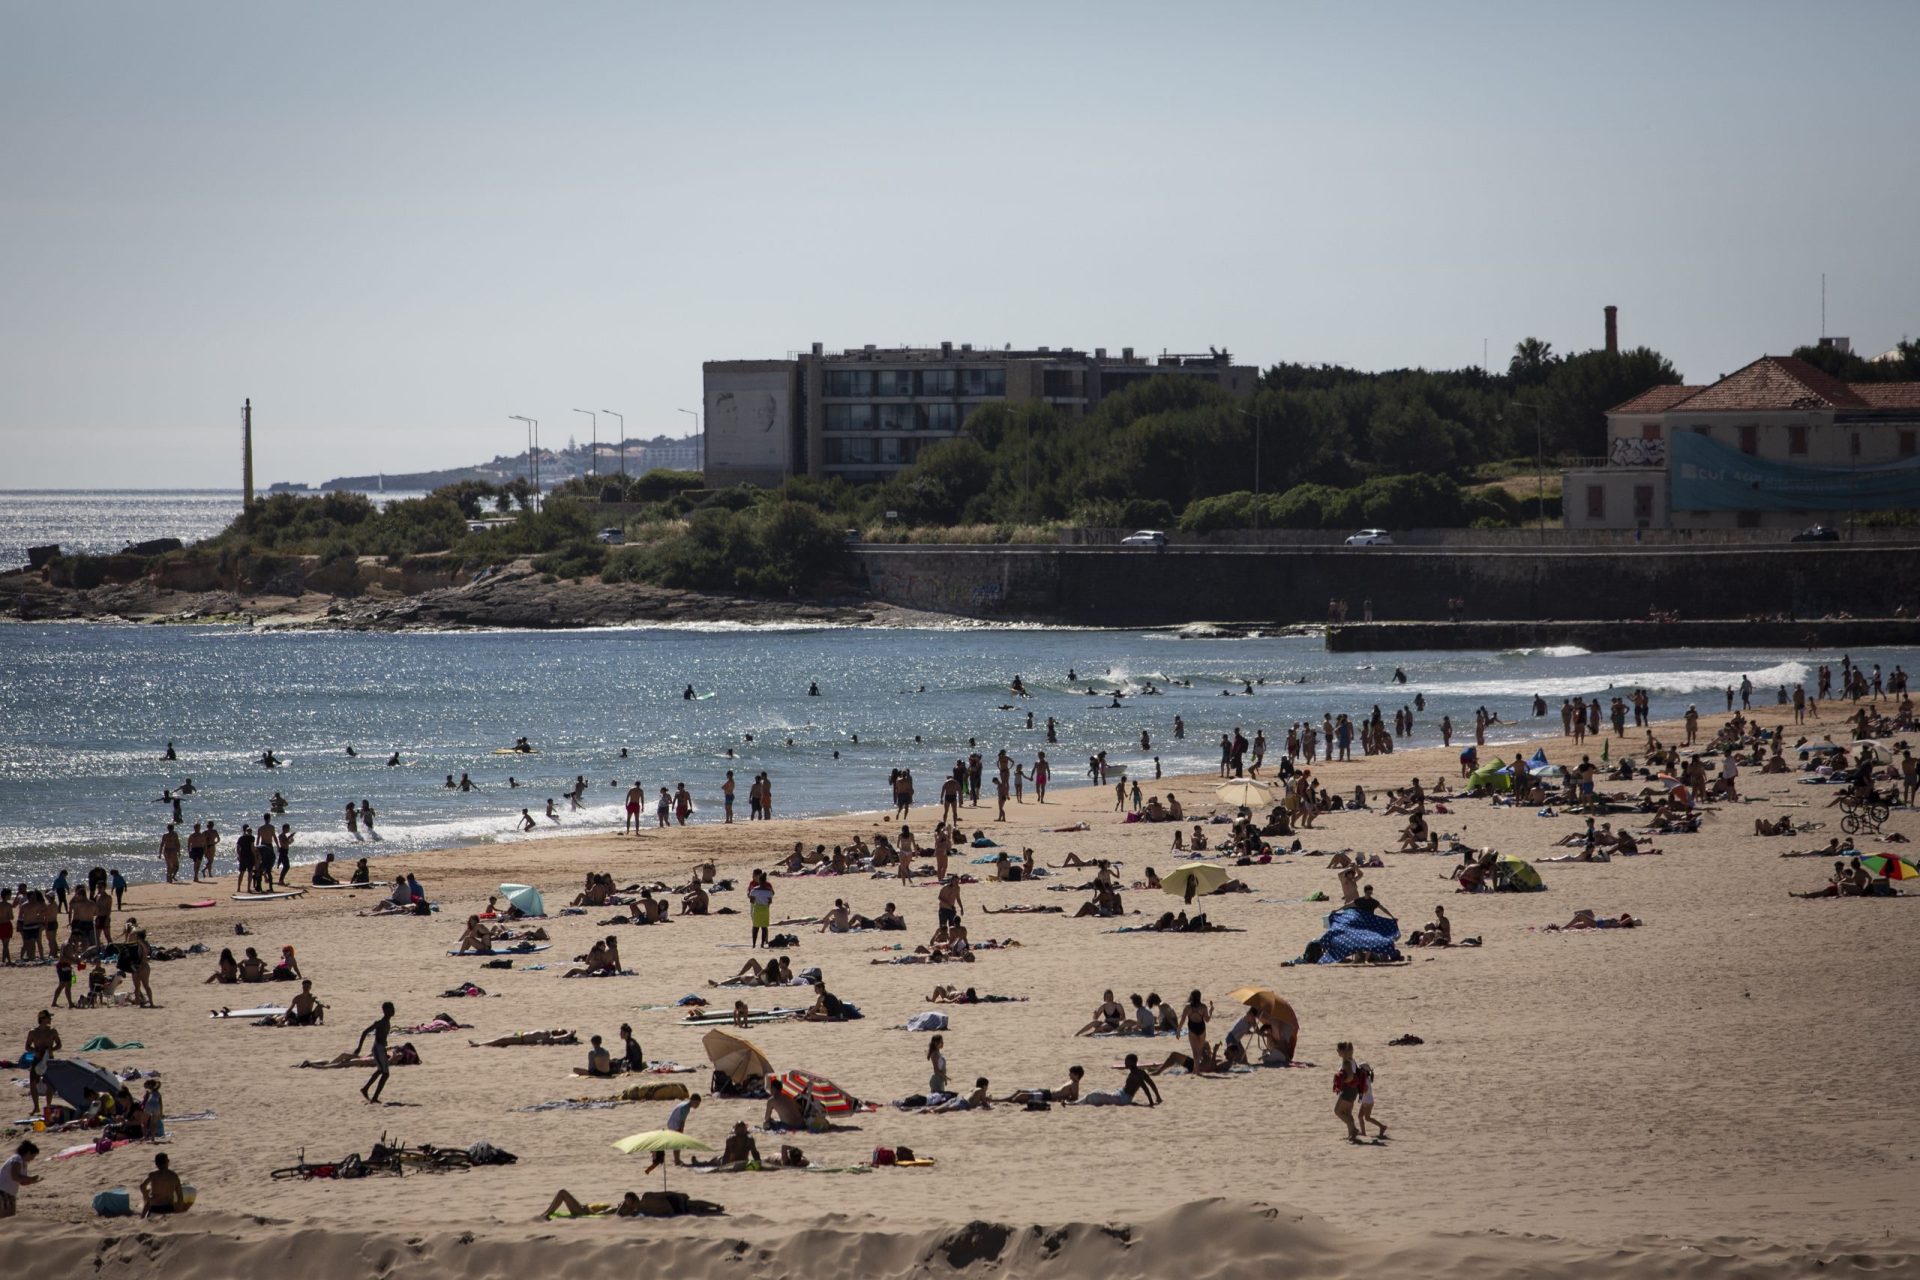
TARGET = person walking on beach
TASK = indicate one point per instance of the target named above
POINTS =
(682, 802)
(378, 1030)
(1042, 771)
(1347, 1087)
(634, 795)
(170, 853)
(663, 809)
(759, 909)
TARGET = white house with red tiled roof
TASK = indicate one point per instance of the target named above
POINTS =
(1778, 444)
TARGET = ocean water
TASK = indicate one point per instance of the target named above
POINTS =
(99, 521)
(87, 709)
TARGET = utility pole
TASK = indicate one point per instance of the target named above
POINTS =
(246, 454)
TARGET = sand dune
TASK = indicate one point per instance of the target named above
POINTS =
(1203, 1240)
(1720, 1093)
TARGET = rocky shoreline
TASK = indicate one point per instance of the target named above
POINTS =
(515, 596)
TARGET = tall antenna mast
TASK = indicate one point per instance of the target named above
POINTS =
(246, 453)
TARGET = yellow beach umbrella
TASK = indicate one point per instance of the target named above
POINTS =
(1205, 876)
(1243, 793)
(659, 1140)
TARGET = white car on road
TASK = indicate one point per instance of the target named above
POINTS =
(1371, 538)
(1145, 538)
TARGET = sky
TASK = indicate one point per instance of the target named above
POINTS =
(394, 225)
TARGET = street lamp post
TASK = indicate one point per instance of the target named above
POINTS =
(1256, 465)
(593, 459)
(623, 443)
(1539, 464)
(696, 431)
(533, 452)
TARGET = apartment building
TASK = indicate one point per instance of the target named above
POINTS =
(865, 413)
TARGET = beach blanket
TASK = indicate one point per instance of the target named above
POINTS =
(100, 1043)
(1349, 932)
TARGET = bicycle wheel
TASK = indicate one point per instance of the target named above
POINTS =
(1851, 824)
(287, 1175)
(1879, 813)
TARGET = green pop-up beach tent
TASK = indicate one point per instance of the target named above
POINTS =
(1488, 777)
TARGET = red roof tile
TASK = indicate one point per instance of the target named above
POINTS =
(1888, 395)
(1775, 382)
(1655, 399)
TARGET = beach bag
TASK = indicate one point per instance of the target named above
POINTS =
(884, 1156)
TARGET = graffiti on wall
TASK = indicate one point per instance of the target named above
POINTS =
(1629, 452)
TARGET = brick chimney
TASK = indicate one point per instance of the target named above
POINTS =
(1613, 331)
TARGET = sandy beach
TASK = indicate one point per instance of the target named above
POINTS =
(1722, 1092)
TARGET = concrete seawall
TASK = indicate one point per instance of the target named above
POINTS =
(1111, 586)
(1603, 637)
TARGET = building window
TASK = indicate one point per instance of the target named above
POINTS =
(1642, 503)
(849, 382)
(1797, 442)
(937, 382)
(1596, 502)
(1062, 382)
(893, 417)
(849, 417)
(891, 449)
(1749, 440)
(983, 382)
(937, 417)
(1649, 431)
(1906, 444)
(893, 382)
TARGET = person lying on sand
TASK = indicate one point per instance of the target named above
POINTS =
(777, 972)
(1585, 919)
(1211, 1063)
(559, 1035)
(975, 1101)
(1835, 848)
(1075, 860)
(565, 1205)
(1781, 826)
(954, 995)
(1019, 909)
(403, 1056)
(1068, 1092)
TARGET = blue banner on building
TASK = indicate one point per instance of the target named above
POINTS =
(1707, 476)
